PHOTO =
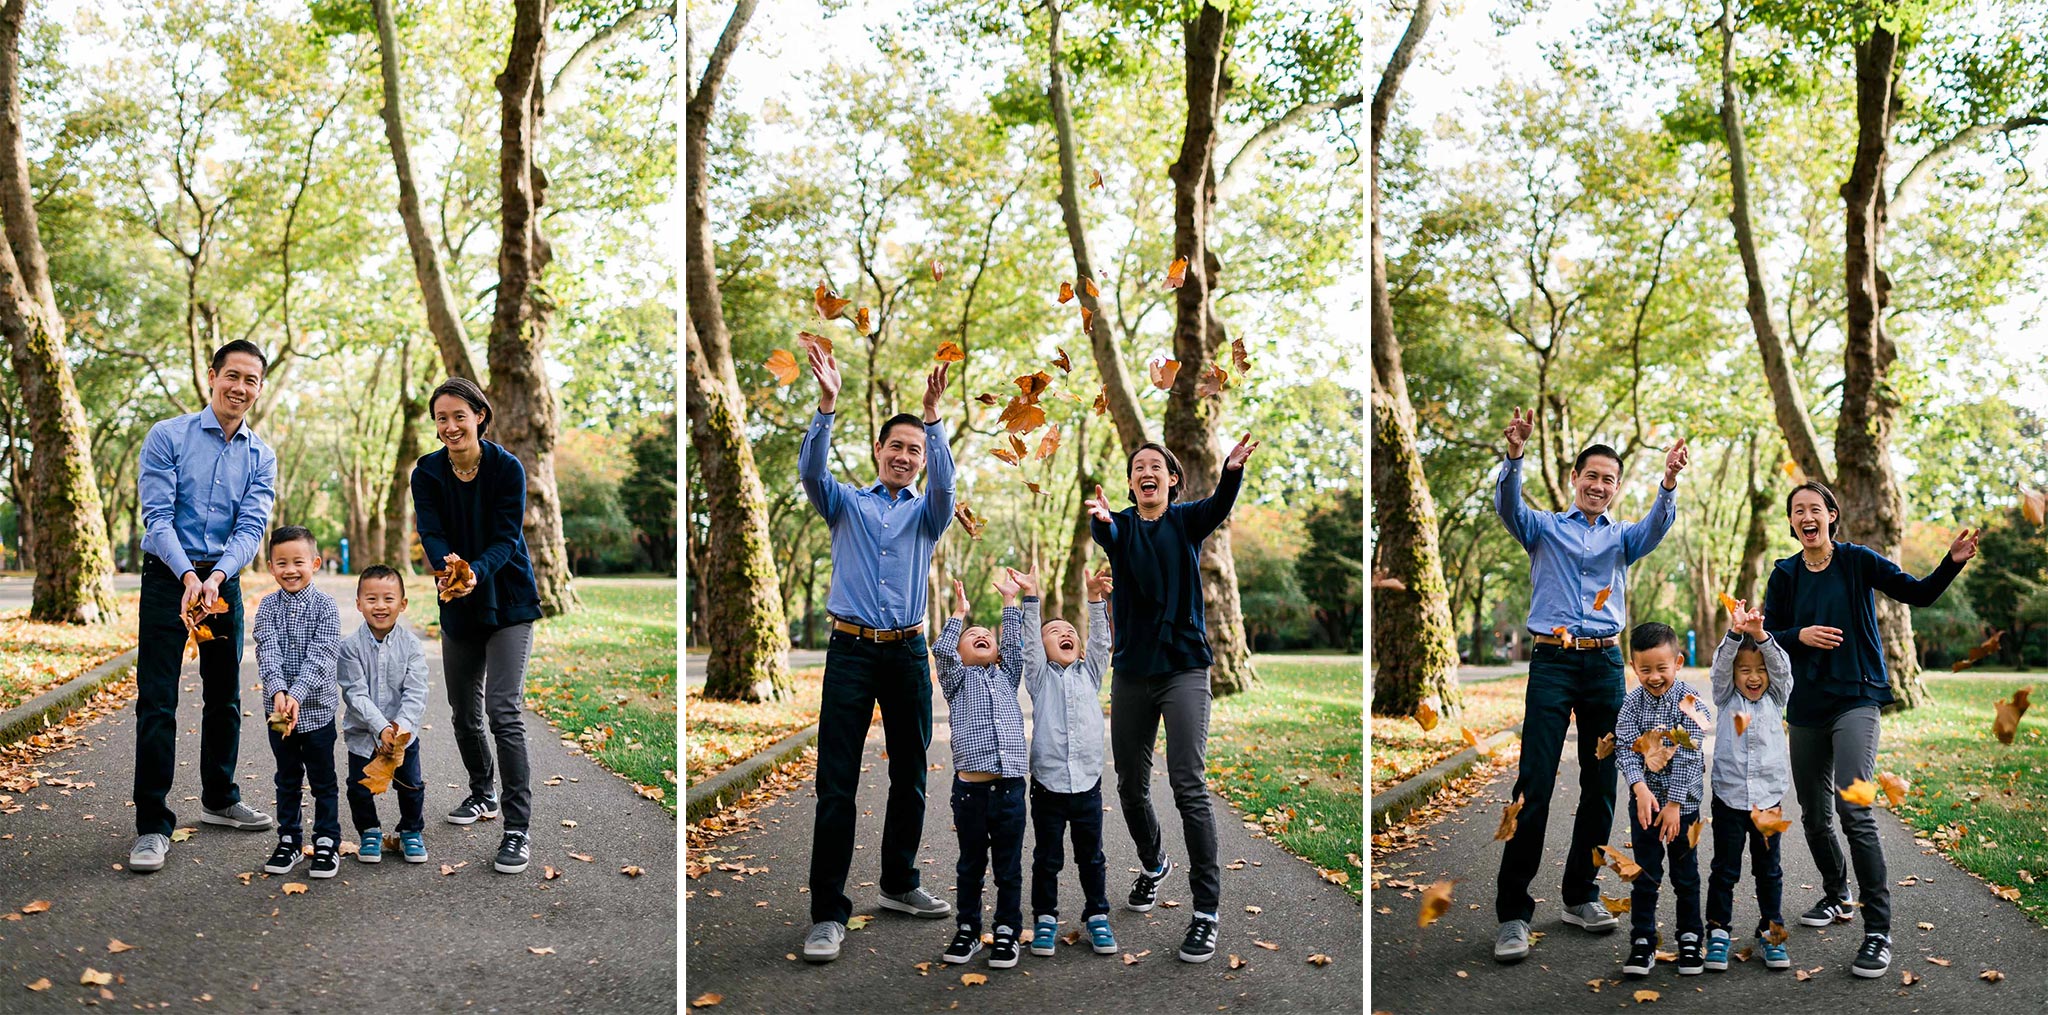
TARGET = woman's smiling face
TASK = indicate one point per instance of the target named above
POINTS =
(456, 423)
(1811, 519)
(1151, 480)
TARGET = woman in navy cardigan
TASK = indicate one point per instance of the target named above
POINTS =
(469, 501)
(1161, 668)
(1821, 605)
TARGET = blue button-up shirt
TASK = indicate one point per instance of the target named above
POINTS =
(1570, 561)
(205, 496)
(881, 545)
(983, 719)
(1641, 712)
(1753, 768)
(298, 640)
(1066, 704)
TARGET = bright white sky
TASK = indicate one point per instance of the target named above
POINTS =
(1466, 56)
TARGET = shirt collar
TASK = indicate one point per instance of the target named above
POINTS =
(209, 421)
(884, 491)
(1606, 517)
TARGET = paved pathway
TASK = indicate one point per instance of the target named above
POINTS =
(16, 592)
(1448, 966)
(740, 940)
(391, 937)
(799, 658)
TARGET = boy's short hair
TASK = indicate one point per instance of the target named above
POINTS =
(1596, 451)
(1745, 643)
(380, 571)
(1648, 636)
(291, 534)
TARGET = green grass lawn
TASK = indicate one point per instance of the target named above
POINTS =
(605, 676)
(1962, 775)
(1286, 755)
(1400, 749)
(35, 657)
(720, 734)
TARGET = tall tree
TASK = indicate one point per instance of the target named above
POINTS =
(74, 561)
(1414, 647)
(527, 420)
(739, 597)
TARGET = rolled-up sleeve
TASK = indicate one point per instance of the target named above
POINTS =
(157, 493)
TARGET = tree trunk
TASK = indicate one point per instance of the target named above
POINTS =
(411, 408)
(739, 603)
(1755, 538)
(74, 561)
(1073, 582)
(1414, 651)
(522, 399)
(1478, 652)
(1109, 361)
(444, 316)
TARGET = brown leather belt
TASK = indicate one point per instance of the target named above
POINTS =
(877, 634)
(1578, 644)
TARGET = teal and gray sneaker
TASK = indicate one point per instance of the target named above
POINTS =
(371, 848)
(1100, 937)
(1718, 946)
(1045, 935)
(1775, 955)
(414, 846)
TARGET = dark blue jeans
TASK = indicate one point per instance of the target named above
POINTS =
(1732, 828)
(159, 657)
(989, 818)
(1052, 813)
(1685, 877)
(406, 782)
(859, 675)
(1561, 682)
(306, 759)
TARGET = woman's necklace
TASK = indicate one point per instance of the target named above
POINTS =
(1824, 561)
(462, 473)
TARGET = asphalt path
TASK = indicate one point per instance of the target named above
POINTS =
(393, 936)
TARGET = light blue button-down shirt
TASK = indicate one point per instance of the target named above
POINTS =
(1570, 561)
(205, 496)
(881, 545)
(1751, 768)
(1066, 704)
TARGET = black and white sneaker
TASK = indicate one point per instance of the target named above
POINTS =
(966, 944)
(1642, 957)
(1003, 953)
(1690, 961)
(1874, 958)
(512, 853)
(1200, 944)
(325, 861)
(472, 809)
(1145, 890)
(1825, 912)
(282, 859)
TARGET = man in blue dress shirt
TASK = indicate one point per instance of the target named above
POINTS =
(206, 487)
(1578, 580)
(882, 539)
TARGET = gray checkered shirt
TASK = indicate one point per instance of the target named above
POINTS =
(298, 639)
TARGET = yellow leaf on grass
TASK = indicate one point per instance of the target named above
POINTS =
(1894, 787)
(2008, 894)
(1436, 900)
(706, 1000)
(1506, 830)
(1862, 791)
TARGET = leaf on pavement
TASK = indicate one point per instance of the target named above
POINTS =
(1909, 977)
(549, 950)
(1646, 996)
(1939, 962)
(631, 871)
(1319, 959)
(1436, 900)
(37, 906)
(41, 984)
(585, 857)
(706, 1000)
(2008, 894)
(1271, 947)
(293, 888)
(973, 979)
(1991, 976)
(548, 873)
(182, 834)
(94, 978)
(116, 946)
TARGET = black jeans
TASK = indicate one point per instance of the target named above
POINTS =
(1685, 877)
(1136, 707)
(1561, 682)
(1732, 829)
(307, 756)
(487, 679)
(406, 782)
(858, 676)
(1052, 813)
(159, 657)
(1824, 759)
(989, 819)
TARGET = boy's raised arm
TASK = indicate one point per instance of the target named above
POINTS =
(1010, 644)
(1101, 641)
(1723, 672)
(1034, 648)
(1779, 665)
(946, 655)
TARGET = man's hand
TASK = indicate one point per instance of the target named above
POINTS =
(934, 389)
(1667, 823)
(1243, 450)
(192, 594)
(209, 590)
(1820, 637)
(1518, 431)
(1027, 581)
(1006, 584)
(1965, 545)
(959, 599)
(1646, 804)
(1099, 584)
(826, 369)
(1098, 505)
(1675, 462)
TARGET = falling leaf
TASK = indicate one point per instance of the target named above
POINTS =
(1692, 835)
(1909, 977)
(1616, 905)
(1436, 900)
(1163, 371)
(1021, 416)
(1604, 747)
(1102, 400)
(1690, 705)
(1177, 273)
(1049, 444)
(548, 950)
(1095, 184)
(858, 922)
(1066, 365)
(973, 979)
(1646, 996)
(1624, 868)
(1006, 455)
(1600, 597)
(1471, 738)
(808, 342)
(706, 1000)
(94, 978)
(2034, 505)
(1034, 488)
(116, 946)
(1214, 382)
(1088, 286)
(828, 302)
(1794, 472)
(1319, 959)
(938, 273)
(631, 871)
(293, 888)
(1894, 787)
(987, 399)
(861, 322)
(1978, 654)
(1426, 713)
(1727, 602)
(1087, 321)
(968, 519)
(1066, 291)
(37, 906)
(1769, 822)
(1506, 830)
(1033, 385)
(949, 352)
(2007, 724)
(1862, 791)
(1741, 723)
(1656, 749)
(1683, 737)
(1238, 357)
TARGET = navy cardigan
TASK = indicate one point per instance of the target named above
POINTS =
(1156, 605)
(1827, 682)
(483, 522)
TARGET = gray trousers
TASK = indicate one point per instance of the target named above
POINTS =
(487, 678)
(1824, 759)
(1136, 707)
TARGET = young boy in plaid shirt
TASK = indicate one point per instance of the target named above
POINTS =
(298, 638)
(990, 761)
(1664, 780)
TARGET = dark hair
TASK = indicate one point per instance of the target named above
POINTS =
(900, 419)
(1596, 451)
(1827, 497)
(291, 534)
(465, 389)
(1172, 467)
(1648, 636)
(241, 345)
(380, 571)
(1745, 643)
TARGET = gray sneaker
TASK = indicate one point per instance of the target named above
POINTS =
(916, 902)
(239, 815)
(1591, 916)
(149, 852)
(822, 943)
(1512, 945)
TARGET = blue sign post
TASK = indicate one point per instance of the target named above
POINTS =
(1692, 652)
(344, 558)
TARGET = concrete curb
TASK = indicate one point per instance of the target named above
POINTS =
(29, 716)
(725, 787)
(1400, 801)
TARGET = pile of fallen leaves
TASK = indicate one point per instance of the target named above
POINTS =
(739, 816)
(18, 771)
(37, 656)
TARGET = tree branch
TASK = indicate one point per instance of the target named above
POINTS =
(1962, 138)
(1270, 132)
